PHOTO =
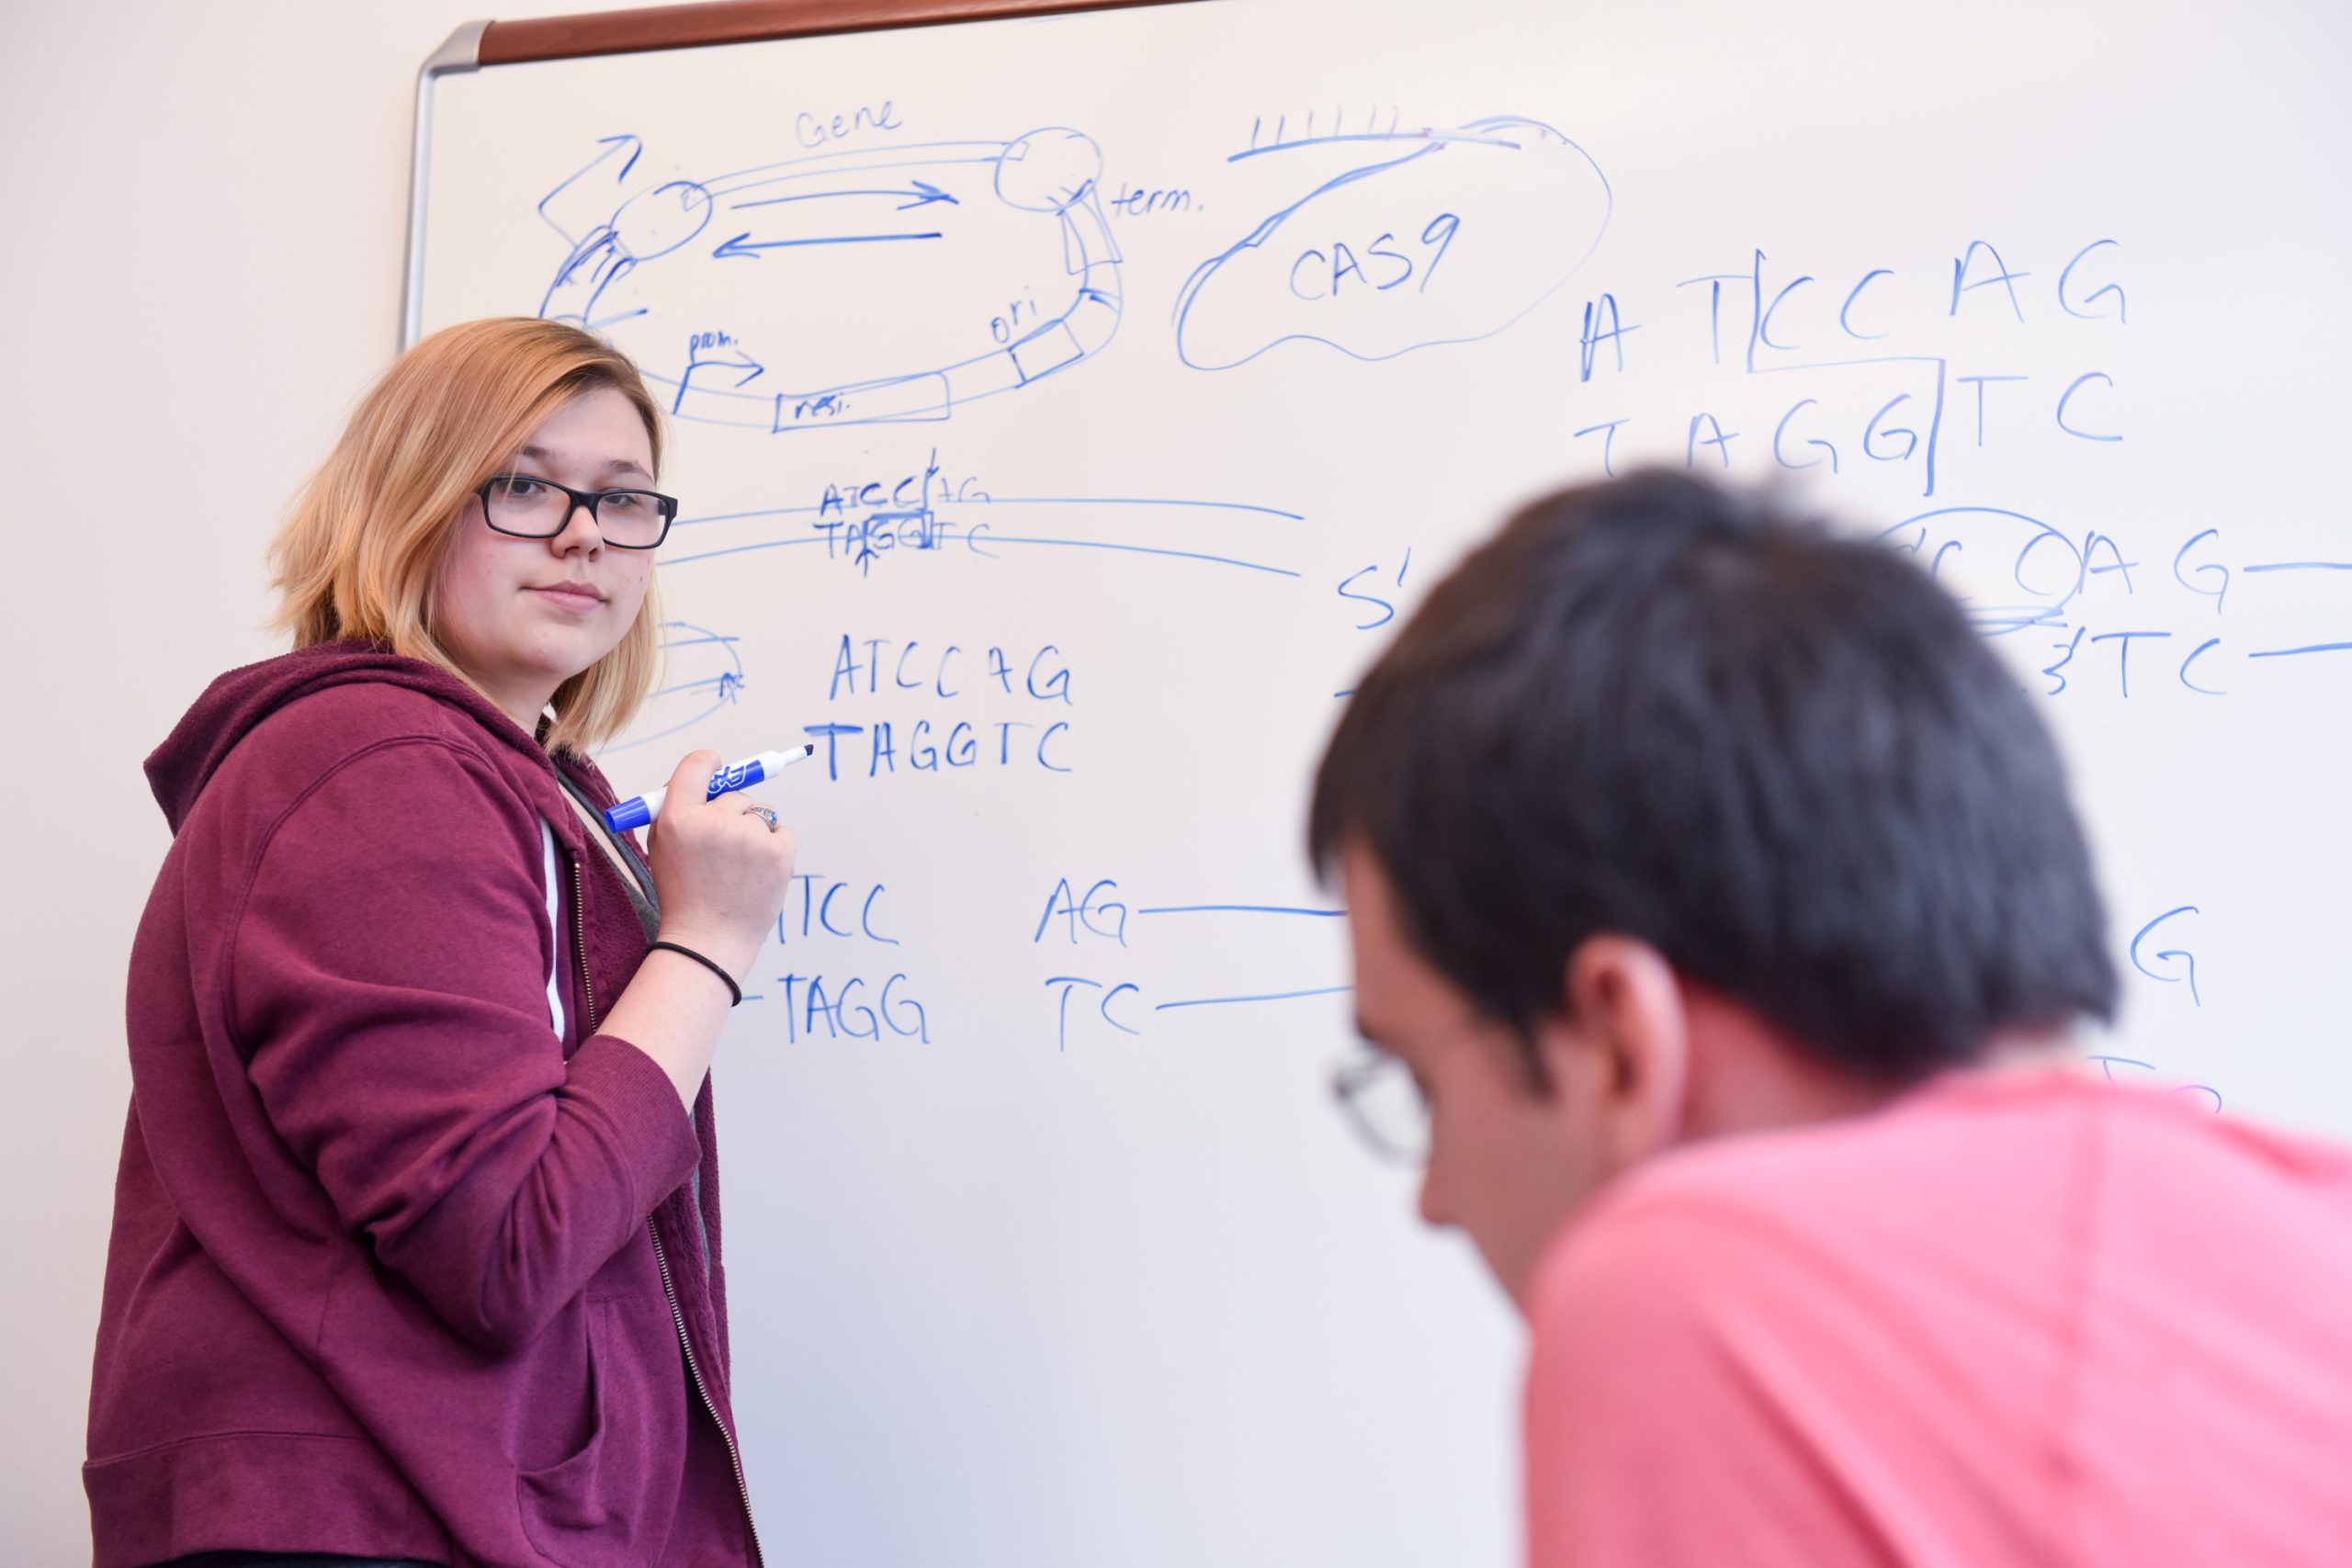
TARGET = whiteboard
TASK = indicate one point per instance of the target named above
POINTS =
(1065, 412)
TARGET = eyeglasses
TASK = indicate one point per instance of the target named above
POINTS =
(531, 508)
(1385, 1106)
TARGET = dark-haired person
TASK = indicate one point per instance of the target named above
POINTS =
(1718, 890)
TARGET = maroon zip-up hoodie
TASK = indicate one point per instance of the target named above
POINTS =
(382, 1279)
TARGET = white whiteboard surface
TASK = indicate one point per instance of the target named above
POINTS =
(1152, 361)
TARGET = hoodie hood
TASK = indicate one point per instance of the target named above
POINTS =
(236, 702)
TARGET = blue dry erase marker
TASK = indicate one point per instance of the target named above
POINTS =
(642, 809)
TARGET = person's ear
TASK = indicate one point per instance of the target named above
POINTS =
(1624, 1042)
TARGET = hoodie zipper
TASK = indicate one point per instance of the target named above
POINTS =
(579, 947)
(694, 1369)
(661, 1258)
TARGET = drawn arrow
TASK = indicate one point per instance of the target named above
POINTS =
(752, 369)
(738, 359)
(741, 246)
(741, 360)
(625, 148)
(924, 194)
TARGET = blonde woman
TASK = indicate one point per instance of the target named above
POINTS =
(416, 1248)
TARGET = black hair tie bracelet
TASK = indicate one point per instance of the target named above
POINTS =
(725, 979)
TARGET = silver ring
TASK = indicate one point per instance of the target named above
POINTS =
(763, 814)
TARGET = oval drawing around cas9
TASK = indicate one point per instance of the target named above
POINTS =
(1430, 237)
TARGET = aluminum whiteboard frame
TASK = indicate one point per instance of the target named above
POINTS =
(461, 51)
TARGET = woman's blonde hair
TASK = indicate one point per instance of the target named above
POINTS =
(364, 537)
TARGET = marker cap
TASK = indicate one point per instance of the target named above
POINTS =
(629, 814)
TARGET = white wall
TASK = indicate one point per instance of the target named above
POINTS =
(203, 208)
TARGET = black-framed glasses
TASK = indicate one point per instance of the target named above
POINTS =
(1385, 1106)
(528, 507)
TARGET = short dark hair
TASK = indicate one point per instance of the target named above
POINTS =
(1666, 709)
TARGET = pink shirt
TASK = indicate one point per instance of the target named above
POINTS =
(2029, 1319)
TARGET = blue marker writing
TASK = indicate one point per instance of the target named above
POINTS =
(642, 809)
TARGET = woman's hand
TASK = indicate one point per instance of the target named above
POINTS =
(721, 873)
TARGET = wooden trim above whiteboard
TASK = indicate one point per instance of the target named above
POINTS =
(745, 21)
